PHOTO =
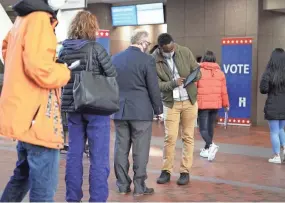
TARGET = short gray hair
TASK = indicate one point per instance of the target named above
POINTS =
(138, 36)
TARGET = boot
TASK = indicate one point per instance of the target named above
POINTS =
(184, 179)
(163, 178)
(148, 191)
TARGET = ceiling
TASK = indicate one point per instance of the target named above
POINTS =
(7, 3)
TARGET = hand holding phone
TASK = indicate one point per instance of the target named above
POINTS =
(227, 109)
(180, 81)
(74, 65)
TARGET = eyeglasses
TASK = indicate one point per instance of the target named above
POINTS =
(148, 43)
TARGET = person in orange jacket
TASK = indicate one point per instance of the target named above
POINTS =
(212, 96)
(30, 100)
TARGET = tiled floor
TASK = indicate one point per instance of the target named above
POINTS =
(240, 171)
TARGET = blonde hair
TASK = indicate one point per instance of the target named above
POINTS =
(83, 26)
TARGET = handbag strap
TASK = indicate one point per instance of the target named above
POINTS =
(90, 58)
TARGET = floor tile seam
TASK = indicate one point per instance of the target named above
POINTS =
(234, 149)
(160, 140)
(265, 154)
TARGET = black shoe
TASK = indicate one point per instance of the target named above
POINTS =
(163, 178)
(148, 191)
(124, 192)
(184, 179)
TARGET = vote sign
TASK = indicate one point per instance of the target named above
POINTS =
(103, 38)
(237, 66)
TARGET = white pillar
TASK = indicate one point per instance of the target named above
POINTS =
(64, 18)
(66, 15)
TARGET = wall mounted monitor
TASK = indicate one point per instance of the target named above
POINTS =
(124, 15)
(74, 4)
(142, 14)
(148, 14)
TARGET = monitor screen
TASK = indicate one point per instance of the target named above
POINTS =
(148, 14)
(124, 15)
(142, 14)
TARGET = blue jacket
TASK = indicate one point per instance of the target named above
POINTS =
(138, 84)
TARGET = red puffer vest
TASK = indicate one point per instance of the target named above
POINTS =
(212, 88)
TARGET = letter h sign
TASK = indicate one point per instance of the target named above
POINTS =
(242, 102)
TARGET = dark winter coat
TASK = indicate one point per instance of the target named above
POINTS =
(274, 108)
(79, 50)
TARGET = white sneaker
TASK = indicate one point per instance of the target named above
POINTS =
(204, 153)
(161, 117)
(276, 159)
(212, 152)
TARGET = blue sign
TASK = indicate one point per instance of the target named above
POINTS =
(103, 38)
(105, 42)
(237, 66)
(124, 15)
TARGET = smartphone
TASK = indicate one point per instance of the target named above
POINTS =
(74, 65)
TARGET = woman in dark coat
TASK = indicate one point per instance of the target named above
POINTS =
(273, 84)
(82, 125)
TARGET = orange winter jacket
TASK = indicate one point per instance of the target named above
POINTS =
(212, 88)
(30, 98)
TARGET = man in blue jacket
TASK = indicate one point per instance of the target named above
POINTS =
(139, 100)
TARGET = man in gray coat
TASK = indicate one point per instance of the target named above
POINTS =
(139, 101)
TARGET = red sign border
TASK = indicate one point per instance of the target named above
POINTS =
(103, 33)
(237, 41)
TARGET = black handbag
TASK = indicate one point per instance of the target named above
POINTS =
(95, 94)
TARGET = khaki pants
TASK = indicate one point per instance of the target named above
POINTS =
(186, 113)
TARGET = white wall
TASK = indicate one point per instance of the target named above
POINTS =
(273, 4)
(64, 18)
(6, 25)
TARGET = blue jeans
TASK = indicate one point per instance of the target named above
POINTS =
(97, 130)
(36, 170)
(277, 134)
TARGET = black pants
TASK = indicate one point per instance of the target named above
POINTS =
(138, 135)
(207, 122)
